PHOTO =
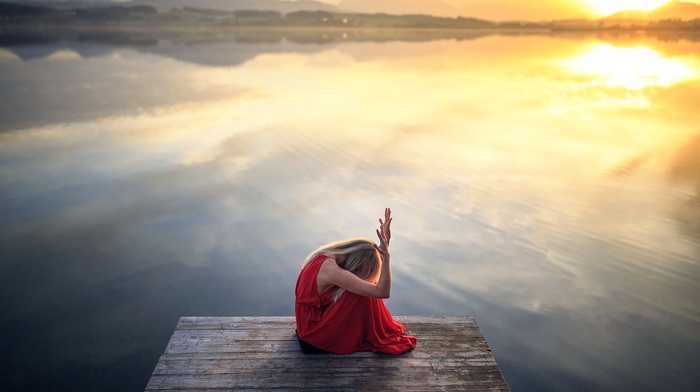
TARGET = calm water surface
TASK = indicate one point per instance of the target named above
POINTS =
(548, 185)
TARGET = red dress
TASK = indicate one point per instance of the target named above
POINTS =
(353, 323)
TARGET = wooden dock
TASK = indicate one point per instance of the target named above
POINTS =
(254, 353)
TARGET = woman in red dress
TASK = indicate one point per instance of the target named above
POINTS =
(339, 298)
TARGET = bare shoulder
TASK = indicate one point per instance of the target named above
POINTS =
(326, 273)
(327, 261)
(329, 265)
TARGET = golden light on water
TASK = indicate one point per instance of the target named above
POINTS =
(527, 137)
(632, 68)
(606, 7)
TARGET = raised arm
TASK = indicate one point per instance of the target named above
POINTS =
(384, 234)
(331, 274)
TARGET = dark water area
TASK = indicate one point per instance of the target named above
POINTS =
(548, 185)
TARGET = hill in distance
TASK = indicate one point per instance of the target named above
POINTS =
(672, 10)
(235, 5)
(400, 7)
(166, 5)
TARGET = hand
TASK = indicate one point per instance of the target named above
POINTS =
(384, 233)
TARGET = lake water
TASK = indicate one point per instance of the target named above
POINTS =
(547, 185)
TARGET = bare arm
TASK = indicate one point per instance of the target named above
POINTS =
(384, 234)
(331, 274)
(350, 282)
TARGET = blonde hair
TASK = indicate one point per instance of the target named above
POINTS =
(360, 258)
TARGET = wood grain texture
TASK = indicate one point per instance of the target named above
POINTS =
(259, 353)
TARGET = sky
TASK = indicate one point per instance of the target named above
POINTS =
(503, 9)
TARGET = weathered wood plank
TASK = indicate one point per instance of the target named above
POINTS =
(224, 366)
(372, 388)
(286, 372)
(271, 349)
(253, 353)
(189, 337)
(284, 322)
(338, 380)
(418, 354)
(285, 333)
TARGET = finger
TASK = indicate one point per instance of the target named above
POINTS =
(381, 245)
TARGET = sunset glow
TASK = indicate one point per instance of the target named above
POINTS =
(505, 10)
(606, 7)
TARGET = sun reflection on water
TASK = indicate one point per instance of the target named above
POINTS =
(632, 68)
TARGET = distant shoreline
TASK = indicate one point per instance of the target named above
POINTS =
(175, 27)
(148, 17)
(144, 35)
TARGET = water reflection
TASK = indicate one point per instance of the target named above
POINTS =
(146, 182)
(685, 168)
(632, 68)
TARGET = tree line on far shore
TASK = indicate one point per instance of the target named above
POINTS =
(147, 15)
